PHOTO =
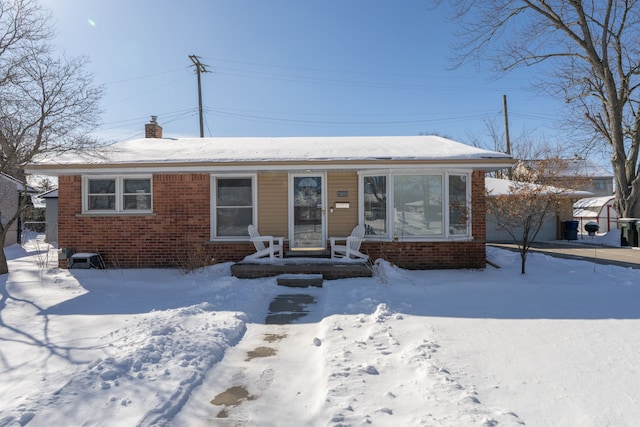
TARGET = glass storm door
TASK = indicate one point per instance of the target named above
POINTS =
(307, 212)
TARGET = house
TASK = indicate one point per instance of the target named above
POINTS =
(9, 202)
(553, 227)
(581, 174)
(155, 201)
(11, 190)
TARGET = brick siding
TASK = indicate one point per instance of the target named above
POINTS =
(177, 233)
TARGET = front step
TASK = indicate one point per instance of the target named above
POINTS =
(328, 269)
(304, 253)
(300, 280)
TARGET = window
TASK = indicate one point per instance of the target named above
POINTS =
(117, 194)
(137, 194)
(102, 194)
(375, 205)
(233, 206)
(415, 206)
(458, 205)
(600, 184)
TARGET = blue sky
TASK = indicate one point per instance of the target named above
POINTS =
(291, 68)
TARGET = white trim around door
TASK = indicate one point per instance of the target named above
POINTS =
(307, 211)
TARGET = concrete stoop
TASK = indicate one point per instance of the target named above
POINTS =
(300, 280)
(328, 270)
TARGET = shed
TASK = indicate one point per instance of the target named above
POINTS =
(51, 215)
(597, 209)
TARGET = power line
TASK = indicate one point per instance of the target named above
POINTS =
(341, 123)
(358, 73)
(145, 76)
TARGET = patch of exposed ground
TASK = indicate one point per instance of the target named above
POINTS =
(231, 397)
(274, 337)
(260, 352)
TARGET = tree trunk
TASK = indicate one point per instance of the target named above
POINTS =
(4, 267)
(523, 259)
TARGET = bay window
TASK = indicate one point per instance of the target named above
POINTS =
(415, 206)
(375, 204)
(417, 201)
(458, 205)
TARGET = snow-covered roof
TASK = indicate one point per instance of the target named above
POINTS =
(37, 201)
(502, 187)
(20, 186)
(585, 167)
(591, 202)
(581, 168)
(50, 194)
(591, 207)
(152, 151)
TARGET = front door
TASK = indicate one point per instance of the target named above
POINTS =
(307, 213)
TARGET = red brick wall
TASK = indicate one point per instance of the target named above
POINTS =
(177, 233)
(428, 255)
(478, 207)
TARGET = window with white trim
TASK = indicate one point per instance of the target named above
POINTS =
(116, 194)
(415, 206)
(233, 206)
(375, 204)
(458, 203)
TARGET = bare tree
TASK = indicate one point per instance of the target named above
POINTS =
(48, 104)
(532, 197)
(592, 50)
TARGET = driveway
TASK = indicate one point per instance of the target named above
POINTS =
(622, 256)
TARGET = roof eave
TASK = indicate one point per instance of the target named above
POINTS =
(486, 164)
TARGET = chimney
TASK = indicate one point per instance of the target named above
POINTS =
(153, 129)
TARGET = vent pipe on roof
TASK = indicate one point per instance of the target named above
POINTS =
(153, 129)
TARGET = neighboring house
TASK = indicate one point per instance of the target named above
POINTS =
(152, 202)
(596, 209)
(583, 174)
(11, 189)
(51, 215)
(553, 228)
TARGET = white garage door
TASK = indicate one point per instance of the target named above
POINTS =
(546, 233)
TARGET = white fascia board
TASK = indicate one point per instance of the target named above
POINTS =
(115, 170)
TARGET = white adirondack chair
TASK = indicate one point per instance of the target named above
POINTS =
(351, 247)
(266, 246)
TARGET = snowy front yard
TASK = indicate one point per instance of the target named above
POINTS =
(559, 346)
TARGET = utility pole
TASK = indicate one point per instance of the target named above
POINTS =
(506, 124)
(200, 68)
(506, 132)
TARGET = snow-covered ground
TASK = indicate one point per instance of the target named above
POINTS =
(559, 346)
